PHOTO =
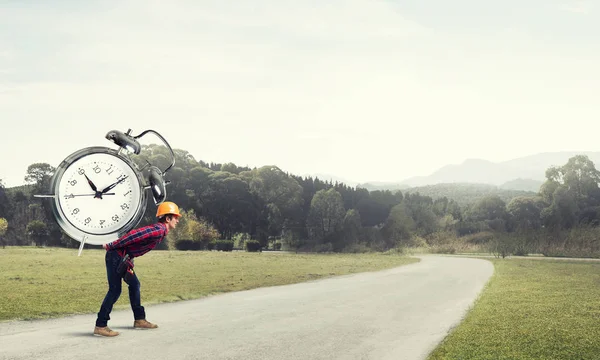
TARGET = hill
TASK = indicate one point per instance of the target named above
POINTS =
(374, 185)
(467, 193)
(522, 184)
(525, 173)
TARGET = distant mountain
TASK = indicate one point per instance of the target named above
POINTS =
(332, 178)
(376, 185)
(530, 170)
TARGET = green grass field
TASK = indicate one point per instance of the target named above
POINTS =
(532, 309)
(48, 282)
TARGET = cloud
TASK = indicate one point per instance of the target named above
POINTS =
(347, 82)
(578, 7)
(161, 40)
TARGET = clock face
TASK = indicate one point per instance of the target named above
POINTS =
(99, 194)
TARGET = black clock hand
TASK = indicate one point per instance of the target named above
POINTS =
(113, 184)
(91, 183)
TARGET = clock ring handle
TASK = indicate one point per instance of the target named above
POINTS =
(164, 141)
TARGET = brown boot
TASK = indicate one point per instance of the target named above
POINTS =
(143, 324)
(105, 331)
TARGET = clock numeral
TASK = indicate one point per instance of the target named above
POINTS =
(124, 206)
(70, 196)
(127, 193)
(75, 211)
(109, 170)
(73, 182)
(115, 218)
(87, 220)
(97, 169)
(81, 171)
(120, 177)
(102, 222)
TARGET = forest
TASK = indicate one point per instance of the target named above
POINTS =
(229, 207)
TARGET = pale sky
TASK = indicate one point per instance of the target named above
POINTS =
(363, 90)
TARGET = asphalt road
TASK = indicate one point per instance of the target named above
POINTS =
(401, 313)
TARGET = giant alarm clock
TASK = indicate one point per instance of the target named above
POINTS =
(100, 193)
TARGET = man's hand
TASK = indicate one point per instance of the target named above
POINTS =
(104, 246)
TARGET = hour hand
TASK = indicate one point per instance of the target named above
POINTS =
(92, 185)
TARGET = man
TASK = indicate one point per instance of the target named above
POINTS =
(135, 243)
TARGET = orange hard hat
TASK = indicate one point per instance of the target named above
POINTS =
(167, 208)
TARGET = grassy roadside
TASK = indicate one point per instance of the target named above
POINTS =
(531, 309)
(41, 283)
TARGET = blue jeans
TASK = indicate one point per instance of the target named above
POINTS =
(114, 291)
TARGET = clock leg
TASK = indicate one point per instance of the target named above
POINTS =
(82, 243)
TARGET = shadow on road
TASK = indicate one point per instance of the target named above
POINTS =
(81, 334)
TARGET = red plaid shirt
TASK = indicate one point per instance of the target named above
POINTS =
(139, 241)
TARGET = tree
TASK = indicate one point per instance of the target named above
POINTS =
(562, 212)
(3, 229)
(38, 232)
(525, 212)
(352, 227)
(454, 210)
(281, 194)
(440, 206)
(421, 209)
(230, 167)
(579, 175)
(4, 202)
(39, 174)
(375, 206)
(372, 212)
(489, 208)
(398, 227)
(229, 205)
(572, 193)
(326, 214)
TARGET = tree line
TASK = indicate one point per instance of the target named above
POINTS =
(266, 207)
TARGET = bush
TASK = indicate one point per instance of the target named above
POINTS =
(444, 249)
(441, 238)
(294, 241)
(277, 246)
(479, 237)
(446, 242)
(253, 246)
(223, 245)
(504, 245)
(357, 248)
(195, 229)
(239, 239)
(470, 227)
(324, 248)
(397, 250)
(210, 245)
(188, 245)
(68, 242)
(417, 241)
(582, 241)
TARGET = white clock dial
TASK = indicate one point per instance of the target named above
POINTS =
(94, 211)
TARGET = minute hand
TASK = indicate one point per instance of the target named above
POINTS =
(113, 184)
